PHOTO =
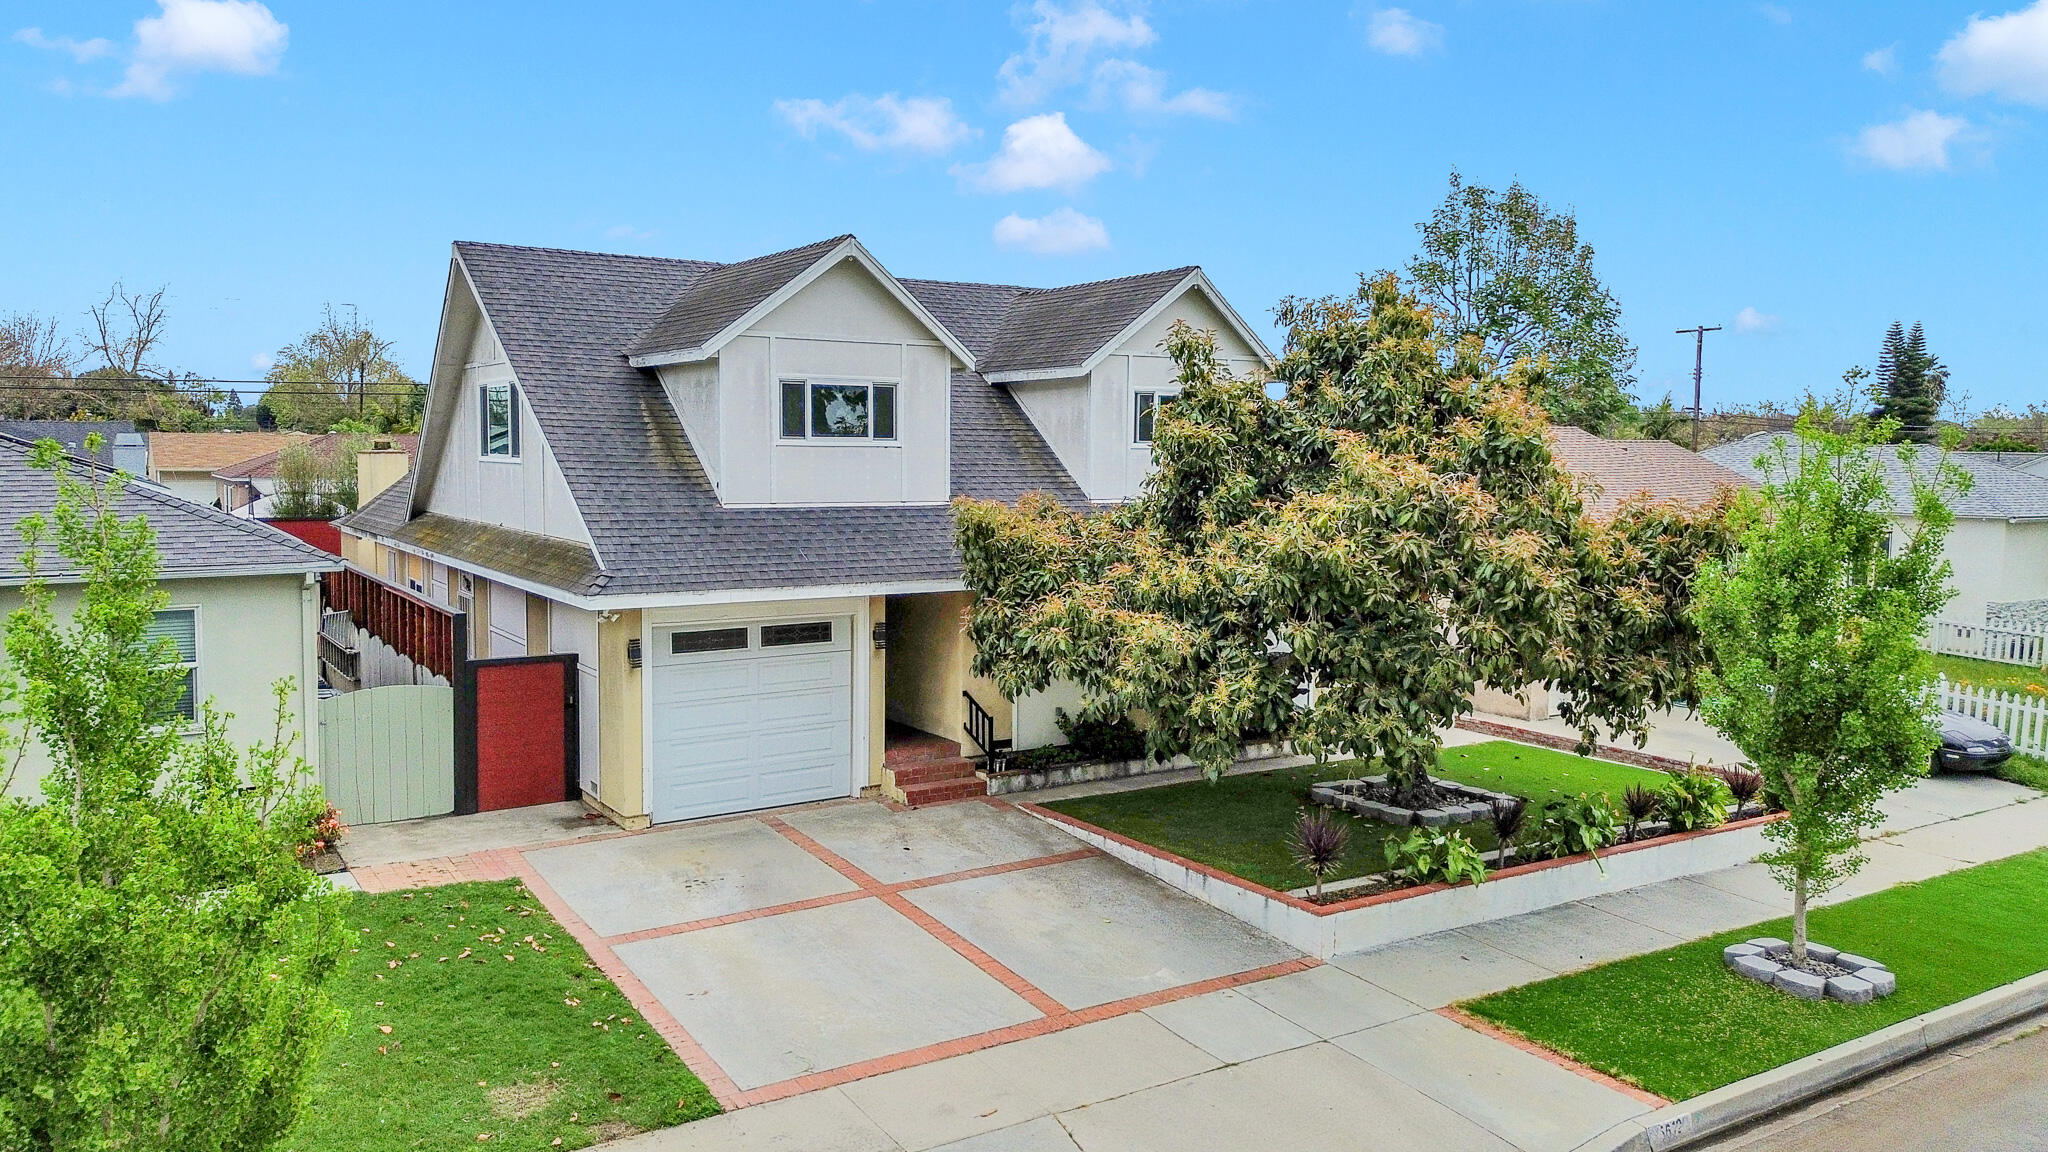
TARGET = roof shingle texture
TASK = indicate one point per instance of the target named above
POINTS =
(206, 451)
(1998, 491)
(1046, 328)
(1619, 469)
(71, 434)
(264, 467)
(566, 319)
(723, 293)
(191, 540)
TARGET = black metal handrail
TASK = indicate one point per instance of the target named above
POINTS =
(981, 729)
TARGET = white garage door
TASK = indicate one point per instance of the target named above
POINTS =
(751, 715)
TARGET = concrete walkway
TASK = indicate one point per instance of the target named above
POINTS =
(1354, 1054)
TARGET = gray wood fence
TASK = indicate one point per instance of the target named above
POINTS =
(389, 753)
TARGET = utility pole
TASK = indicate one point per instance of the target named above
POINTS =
(1699, 352)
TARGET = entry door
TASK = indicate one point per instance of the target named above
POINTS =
(751, 716)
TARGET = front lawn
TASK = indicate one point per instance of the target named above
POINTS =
(2031, 771)
(1991, 674)
(473, 1016)
(1241, 823)
(1678, 1023)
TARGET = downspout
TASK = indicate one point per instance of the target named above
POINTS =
(309, 671)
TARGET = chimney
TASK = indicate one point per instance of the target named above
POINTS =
(131, 454)
(378, 467)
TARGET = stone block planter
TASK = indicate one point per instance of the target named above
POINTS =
(1842, 976)
(1325, 930)
(1356, 796)
(1091, 771)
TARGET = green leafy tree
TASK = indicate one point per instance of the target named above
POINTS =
(1509, 271)
(341, 371)
(1388, 535)
(1815, 626)
(163, 954)
(1909, 385)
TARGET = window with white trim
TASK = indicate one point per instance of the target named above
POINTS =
(498, 408)
(180, 626)
(829, 410)
(1145, 413)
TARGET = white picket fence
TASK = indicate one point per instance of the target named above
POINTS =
(2004, 645)
(2021, 716)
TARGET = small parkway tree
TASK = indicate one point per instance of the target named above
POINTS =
(1815, 627)
(1386, 536)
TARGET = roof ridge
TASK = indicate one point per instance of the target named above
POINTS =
(828, 242)
(585, 252)
(1183, 270)
(149, 491)
(969, 284)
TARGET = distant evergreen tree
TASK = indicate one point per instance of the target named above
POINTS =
(1909, 383)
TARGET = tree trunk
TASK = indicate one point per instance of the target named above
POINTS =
(1799, 918)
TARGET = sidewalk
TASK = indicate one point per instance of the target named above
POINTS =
(1352, 1054)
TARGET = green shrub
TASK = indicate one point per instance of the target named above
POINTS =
(1436, 856)
(1581, 825)
(1117, 739)
(1694, 800)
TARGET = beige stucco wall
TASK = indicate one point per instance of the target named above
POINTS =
(620, 708)
(253, 631)
(930, 662)
(878, 703)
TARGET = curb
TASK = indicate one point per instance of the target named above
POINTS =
(1714, 1113)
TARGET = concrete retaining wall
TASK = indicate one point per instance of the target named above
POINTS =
(1374, 921)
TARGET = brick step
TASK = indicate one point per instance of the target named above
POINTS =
(932, 771)
(942, 791)
(919, 751)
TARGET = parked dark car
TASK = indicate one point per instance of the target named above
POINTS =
(1969, 744)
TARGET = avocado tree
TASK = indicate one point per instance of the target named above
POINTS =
(163, 955)
(1815, 625)
(1340, 566)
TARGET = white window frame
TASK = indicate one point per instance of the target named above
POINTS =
(483, 419)
(811, 383)
(190, 724)
(1159, 398)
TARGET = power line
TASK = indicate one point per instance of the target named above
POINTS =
(186, 381)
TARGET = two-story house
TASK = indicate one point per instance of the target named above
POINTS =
(725, 487)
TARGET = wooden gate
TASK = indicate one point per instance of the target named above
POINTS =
(388, 753)
(516, 737)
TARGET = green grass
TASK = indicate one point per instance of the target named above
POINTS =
(1241, 824)
(1991, 674)
(1678, 1023)
(2031, 771)
(436, 1054)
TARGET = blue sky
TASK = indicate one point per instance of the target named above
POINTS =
(1799, 173)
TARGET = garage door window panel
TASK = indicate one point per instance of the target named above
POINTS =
(785, 635)
(707, 640)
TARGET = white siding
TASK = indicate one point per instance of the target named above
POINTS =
(1992, 561)
(693, 390)
(1063, 412)
(574, 630)
(528, 492)
(507, 621)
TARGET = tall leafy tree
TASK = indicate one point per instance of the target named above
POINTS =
(341, 371)
(1511, 272)
(1910, 384)
(1815, 626)
(1385, 537)
(163, 955)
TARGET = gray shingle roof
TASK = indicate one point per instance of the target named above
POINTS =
(1061, 327)
(71, 434)
(723, 294)
(565, 320)
(191, 540)
(1998, 491)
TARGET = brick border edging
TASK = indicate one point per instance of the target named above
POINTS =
(1494, 1031)
(1630, 756)
(1315, 909)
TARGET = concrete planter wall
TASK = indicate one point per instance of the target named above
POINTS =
(1090, 771)
(1325, 930)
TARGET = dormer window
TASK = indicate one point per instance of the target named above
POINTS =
(499, 406)
(830, 410)
(1144, 411)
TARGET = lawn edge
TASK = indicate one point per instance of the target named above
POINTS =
(1767, 1093)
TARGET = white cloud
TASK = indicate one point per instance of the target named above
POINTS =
(262, 361)
(1143, 89)
(885, 123)
(1751, 320)
(79, 50)
(1399, 32)
(1776, 14)
(1057, 233)
(1037, 152)
(1883, 61)
(1061, 41)
(238, 36)
(2006, 56)
(1919, 140)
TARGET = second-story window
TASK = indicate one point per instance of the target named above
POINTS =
(499, 405)
(838, 410)
(1145, 412)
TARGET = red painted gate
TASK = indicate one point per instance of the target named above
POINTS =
(521, 733)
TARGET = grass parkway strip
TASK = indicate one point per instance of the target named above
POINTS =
(1677, 1023)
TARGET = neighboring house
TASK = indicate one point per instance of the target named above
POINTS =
(2032, 463)
(249, 487)
(725, 487)
(1998, 549)
(244, 603)
(184, 462)
(1614, 471)
(123, 447)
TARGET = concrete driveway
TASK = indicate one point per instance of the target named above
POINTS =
(789, 952)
